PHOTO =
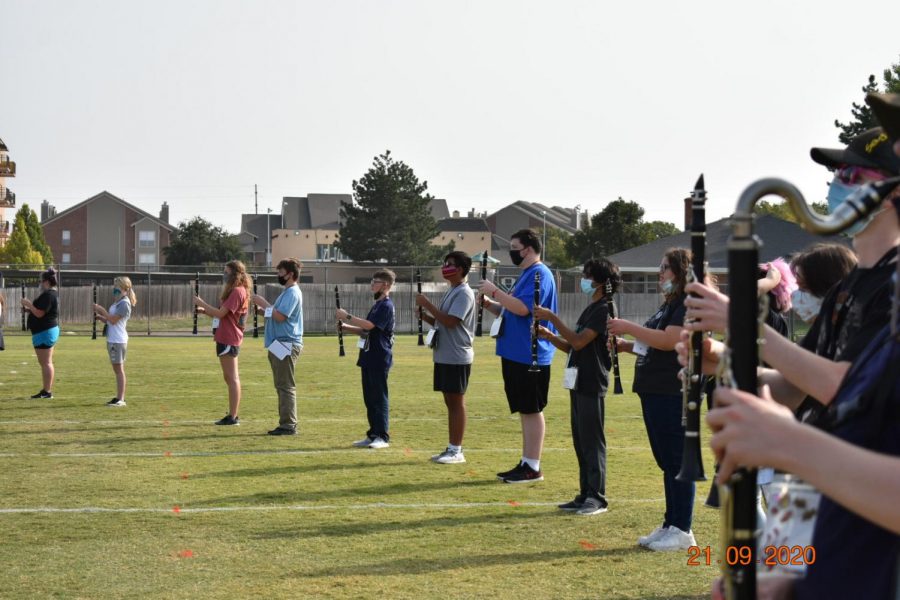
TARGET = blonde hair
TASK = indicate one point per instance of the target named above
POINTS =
(239, 278)
(124, 284)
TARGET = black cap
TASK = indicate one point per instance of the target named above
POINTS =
(887, 110)
(870, 149)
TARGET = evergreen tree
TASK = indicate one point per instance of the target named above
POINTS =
(18, 249)
(389, 218)
(36, 233)
(863, 118)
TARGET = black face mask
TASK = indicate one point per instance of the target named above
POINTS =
(282, 280)
(377, 295)
(516, 257)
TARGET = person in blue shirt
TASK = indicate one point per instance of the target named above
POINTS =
(526, 390)
(376, 356)
(284, 341)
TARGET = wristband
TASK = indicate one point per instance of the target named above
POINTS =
(349, 318)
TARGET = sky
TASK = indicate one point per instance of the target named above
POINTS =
(564, 103)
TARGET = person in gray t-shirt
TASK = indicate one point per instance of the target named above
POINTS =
(454, 326)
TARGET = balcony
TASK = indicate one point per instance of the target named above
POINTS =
(7, 167)
(7, 198)
(5, 229)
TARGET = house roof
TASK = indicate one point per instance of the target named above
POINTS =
(438, 208)
(463, 224)
(556, 216)
(254, 225)
(3, 146)
(105, 194)
(778, 237)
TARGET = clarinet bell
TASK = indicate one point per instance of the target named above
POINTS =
(617, 386)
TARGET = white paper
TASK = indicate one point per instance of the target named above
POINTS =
(570, 378)
(640, 348)
(279, 349)
(215, 323)
(429, 338)
(495, 327)
(361, 343)
(269, 312)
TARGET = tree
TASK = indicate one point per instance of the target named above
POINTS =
(556, 253)
(617, 227)
(782, 210)
(863, 118)
(198, 242)
(388, 218)
(36, 233)
(18, 249)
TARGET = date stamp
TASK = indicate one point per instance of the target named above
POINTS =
(743, 555)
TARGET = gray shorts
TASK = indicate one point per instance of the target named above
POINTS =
(116, 353)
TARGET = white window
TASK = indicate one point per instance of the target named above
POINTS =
(147, 258)
(66, 237)
(67, 258)
(147, 239)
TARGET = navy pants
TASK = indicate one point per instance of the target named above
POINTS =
(375, 396)
(662, 417)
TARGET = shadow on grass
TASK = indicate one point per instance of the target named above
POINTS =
(298, 469)
(418, 566)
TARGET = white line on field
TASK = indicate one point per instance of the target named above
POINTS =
(176, 422)
(309, 507)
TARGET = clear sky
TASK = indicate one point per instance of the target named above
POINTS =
(565, 103)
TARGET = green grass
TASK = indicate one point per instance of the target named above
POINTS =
(308, 516)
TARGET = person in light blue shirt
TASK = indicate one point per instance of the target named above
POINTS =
(284, 341)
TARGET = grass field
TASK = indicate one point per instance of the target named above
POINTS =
(153, 501)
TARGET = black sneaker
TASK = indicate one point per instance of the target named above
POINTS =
(524, 475)
(505, 474)
(42, 394)
(116, 402)
(283, 431)
(229, 420)
(575, 504)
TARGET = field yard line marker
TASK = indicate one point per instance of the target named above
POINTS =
(308, 507)
(302, 420)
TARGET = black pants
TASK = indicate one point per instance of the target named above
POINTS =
(590, 443)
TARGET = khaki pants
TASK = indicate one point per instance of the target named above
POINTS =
(283, 375)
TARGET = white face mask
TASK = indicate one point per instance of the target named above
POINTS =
(805, 305)
(667, 286)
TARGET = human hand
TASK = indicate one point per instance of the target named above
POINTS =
(711, 351)
(619, 327)
(486, 287)
(543, 314)
(544, 333)
(198, 301)
(422, 300)
(708, 311)
(340, 314)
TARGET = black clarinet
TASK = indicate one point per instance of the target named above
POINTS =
(484, 263)
(196, 293)
(419, 289)
(93, 310)
(340, 329)
(693, 382)
(255, 312)
(613, 314)
(24, 311)
(534, 325)
(738, 496)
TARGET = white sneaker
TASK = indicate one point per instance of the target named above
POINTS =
(378, 444)
(674, 539)
(651, 537)
(449, 457)
(363, 443)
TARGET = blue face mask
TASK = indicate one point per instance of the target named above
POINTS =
(587, 286)
(116, 291)
(838, 192)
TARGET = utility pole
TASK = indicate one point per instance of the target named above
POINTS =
(255, 201)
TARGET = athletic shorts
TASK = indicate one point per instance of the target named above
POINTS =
(227, 350)
(453, 379)
(45, 339)
(526, 392)
(117, 352)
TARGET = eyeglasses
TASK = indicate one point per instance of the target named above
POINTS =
(664, 268)
(850, 174)
(378, 281)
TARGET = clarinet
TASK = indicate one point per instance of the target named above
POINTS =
(419, 289)
(340, 330)
(611, 303)
(534, 325)
(24, 326)
(744, 323)
(196, 293)
(484, 263)
(692, 381)
(94, 325)
(255, 312)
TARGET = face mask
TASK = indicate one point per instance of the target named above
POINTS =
(587, 286)
(377, 295)
(805, 305)
(282, 280)
(667, 287)
(838, 192)
(116, 291)
(516, 257)
(225, 277)
(448, 272)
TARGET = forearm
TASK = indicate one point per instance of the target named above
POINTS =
(814, 375)
(443, 318)
(783, 391)
(510, 303)
(560, 343)
(428, 319)
(218, 313)
(660, 339)
(351, 329)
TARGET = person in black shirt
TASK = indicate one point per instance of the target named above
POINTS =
(43, 321)
(590, 358)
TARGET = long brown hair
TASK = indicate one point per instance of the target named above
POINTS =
(238, 278)
(680, 262)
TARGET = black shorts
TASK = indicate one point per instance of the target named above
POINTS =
(526, 392)
(227, 350)
(453, 379)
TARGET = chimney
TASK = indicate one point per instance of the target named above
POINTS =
(575, 220)
(48, 211)
(472, 213)
(164, 212)
(687, 214)
(455, 214)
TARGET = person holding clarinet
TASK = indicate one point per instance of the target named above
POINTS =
(526, 389)
(587, 379)
(116, 321)
(453, 323)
